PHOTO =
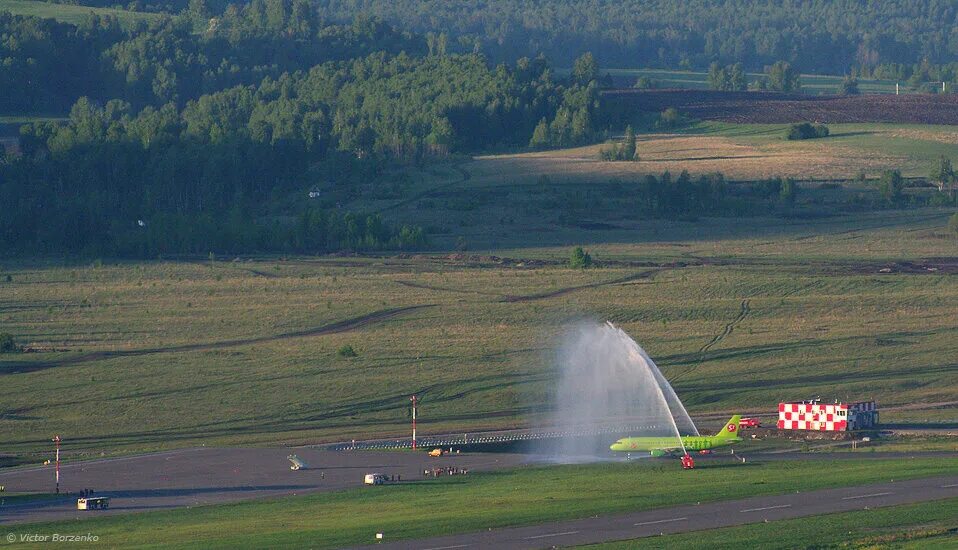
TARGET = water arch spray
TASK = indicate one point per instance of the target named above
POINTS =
(608, 388)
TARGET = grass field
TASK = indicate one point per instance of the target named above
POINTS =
(484, 500)
(739, 315)
(741, 151)
(698, 80)
(68, 13)
(930, 525)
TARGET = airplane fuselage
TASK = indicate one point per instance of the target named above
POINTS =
(657, 446)
(691, 443)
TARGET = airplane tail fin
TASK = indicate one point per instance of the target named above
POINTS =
(730, 429)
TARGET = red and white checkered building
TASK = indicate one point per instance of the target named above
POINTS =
(827, 417)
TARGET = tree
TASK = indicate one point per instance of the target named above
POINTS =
(849, 86)
(199, 12)
(781, 77)
(277, 13)
(730, 78)
(585, 69)
(581, 126)
(805, 130)
(580, 259)
(717, 78)
(540, 136)
(943, 173)
(738, 81)
(786, 193)
(628, 150)
(669, 118)
(891, 185)
(7, 343)
(644, 83)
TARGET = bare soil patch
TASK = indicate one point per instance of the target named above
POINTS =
(776, 108)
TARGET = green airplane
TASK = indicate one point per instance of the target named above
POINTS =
(661, 446)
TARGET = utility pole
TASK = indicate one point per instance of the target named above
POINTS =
(413, 399)
(56, 440)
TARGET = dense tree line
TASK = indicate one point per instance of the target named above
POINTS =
(45, 66)
(217, 172)
(687, 197)
(826, 37)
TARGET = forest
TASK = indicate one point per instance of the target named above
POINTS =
(821, 37)
(191, 132)
(163, 167)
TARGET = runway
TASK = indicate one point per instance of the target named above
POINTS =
(207, 475)
(694, 517)
(217, 475)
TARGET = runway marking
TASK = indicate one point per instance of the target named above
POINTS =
(949, 486)
(447, 547)
(552, 535)
(659, 521)
(868, 496)
(766, 508)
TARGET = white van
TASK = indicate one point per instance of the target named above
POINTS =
(375, 479)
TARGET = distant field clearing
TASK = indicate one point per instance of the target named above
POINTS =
(742, 152)
(697, 154)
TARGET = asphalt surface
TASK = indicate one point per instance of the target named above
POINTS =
(692, 518)
(208, 475)
(193, 477)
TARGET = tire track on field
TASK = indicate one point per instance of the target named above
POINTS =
(568, 290)
(330, 328)
(464, 176)
(412, 284)
(744, 312)
(728, 328)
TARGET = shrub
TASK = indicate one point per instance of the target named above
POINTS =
(580, 259)
(805, 130)
(849, 86)
(669, 118)
(891, 185)
(346, 351)
(623, 151)
(7, 343)
(645, 83)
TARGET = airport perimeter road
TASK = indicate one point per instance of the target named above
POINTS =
(208, 475)
(692, 518)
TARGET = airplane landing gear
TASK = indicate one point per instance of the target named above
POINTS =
(687, 462)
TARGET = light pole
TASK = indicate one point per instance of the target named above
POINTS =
(56, 440)
(413, 399)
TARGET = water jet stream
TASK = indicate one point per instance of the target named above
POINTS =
(608, 384)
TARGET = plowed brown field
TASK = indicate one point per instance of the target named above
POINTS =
(776, 108)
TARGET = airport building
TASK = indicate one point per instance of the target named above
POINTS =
(827, 417)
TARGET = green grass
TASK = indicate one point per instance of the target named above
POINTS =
(925, 525)
(811, 84)
(68, 13)
(8, 499)
(822, 321)
(915, 144)
(479, 501)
